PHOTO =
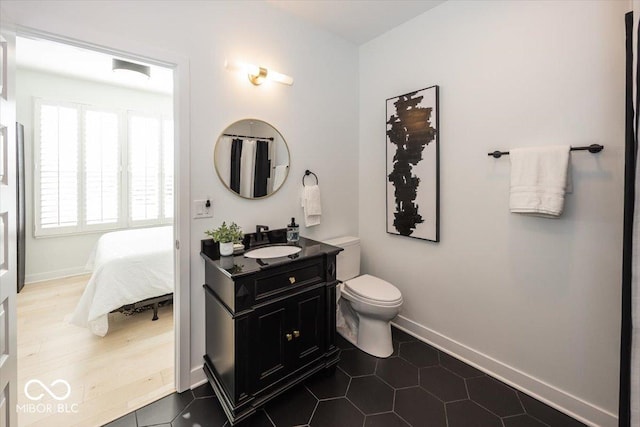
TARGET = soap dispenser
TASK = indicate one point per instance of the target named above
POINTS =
(293, 232)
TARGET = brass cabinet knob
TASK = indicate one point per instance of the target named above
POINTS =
(289, 337)
(296, 334)
(292, 280)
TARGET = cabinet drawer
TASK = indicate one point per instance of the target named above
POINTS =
(283, 279)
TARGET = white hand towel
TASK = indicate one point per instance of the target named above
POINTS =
(247, 168)
(539, 180)
(311, 205)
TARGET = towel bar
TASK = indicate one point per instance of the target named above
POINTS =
(593, 148)
(307, 173)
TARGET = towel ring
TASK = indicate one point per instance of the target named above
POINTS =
(306, 174)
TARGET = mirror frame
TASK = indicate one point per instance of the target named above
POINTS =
(215, 165)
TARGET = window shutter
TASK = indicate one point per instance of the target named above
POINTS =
(101, 167)
(144, 168)
(58, 166)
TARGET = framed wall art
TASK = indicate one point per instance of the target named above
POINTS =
(413, 176)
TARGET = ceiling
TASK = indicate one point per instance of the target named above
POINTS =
(357, 21)
(57, 58)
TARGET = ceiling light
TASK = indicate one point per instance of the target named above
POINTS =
(121, 65)
(257, 75)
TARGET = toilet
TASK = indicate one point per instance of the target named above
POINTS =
(366, 304)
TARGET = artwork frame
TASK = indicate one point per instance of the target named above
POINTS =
(412, 146)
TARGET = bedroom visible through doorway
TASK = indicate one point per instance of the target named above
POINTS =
(96, 314)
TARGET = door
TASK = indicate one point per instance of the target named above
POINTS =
(270, 338)
(8, 239)
(308, 310)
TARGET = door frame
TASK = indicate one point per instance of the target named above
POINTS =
(181, 118)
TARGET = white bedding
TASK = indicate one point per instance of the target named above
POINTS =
(128, 266)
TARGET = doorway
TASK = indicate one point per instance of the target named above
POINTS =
(101, 374)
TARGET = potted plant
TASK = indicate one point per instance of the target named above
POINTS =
(226, 236)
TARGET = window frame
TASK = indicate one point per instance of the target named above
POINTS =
(125, 220)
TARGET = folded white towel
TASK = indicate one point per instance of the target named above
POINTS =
(311, 205)
(539, 180)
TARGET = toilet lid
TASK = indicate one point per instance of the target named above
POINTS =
(373, 288)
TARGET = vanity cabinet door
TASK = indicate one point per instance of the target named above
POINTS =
(308, 310)
(269, 344)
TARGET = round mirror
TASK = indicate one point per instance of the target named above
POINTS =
(251, 158)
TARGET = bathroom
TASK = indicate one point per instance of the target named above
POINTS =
(534, 301)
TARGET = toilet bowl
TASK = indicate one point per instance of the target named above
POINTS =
(373, 301)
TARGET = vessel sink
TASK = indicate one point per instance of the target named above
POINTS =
(272, 252)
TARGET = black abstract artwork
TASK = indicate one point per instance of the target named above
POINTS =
(413, 165)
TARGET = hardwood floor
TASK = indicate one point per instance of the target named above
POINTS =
(109, 376)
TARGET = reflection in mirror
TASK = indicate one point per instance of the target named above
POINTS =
(252, 158)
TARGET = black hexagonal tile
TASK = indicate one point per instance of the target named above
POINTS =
(523, 420)
(419, 354)
(328, 386)
(458, 367)
(495, 396)
(443, 383)
(336, 412)
(401, 336)
(128, 420)
(280, 409)
(259, 419)
(389, 419)
(397, 372)
(547, 414)
(204, 412)
(466, 413)
(419, 408)
(396, 348)
(356, 363)
(164, 410)
(370, 394)
(204, 390)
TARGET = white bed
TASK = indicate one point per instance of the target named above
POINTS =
(128, 266)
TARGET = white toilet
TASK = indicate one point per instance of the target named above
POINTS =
(374, 302)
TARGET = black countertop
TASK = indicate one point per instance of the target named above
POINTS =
(238, 265)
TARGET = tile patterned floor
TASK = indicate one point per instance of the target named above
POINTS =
(417, 386)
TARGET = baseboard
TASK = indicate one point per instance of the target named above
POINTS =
(547, 393)
(58, 274)
(197, 377)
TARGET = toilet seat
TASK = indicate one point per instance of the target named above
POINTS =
(373, 290)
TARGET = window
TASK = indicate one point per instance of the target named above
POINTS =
(81, 184)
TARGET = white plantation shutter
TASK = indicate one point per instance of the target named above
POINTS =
(101, 167)
(144, 168)
(80, 183)
(167, 168)
(57, 162)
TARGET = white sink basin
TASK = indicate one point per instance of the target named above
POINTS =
(273, 252)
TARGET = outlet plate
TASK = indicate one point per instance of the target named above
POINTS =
(200, 209)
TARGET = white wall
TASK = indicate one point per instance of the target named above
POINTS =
(51, 257)
(317, 115)
(536, 301)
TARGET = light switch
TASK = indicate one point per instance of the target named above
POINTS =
(201, 210)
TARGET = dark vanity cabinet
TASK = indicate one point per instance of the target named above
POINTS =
(270, 324)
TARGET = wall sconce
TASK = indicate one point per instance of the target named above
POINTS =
(257, 75)
(121, 65)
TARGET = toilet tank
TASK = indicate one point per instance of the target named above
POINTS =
(348, 261)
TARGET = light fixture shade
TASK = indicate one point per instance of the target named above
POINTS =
(119, 64)
(256, 74)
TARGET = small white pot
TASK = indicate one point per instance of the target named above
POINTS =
(226, 249)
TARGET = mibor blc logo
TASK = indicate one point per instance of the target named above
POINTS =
(59, 390)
